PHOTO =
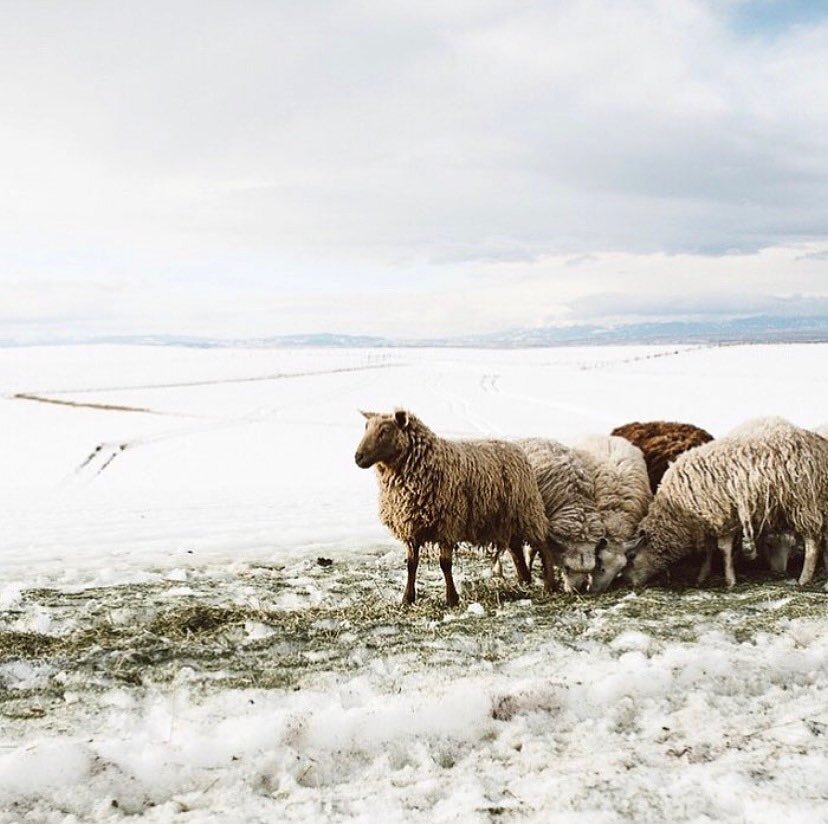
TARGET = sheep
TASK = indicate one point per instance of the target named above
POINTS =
(595, 494)
(622, 497)
(662, 442)
(567, 487)
(438, 491)
(764, 473)
(776, 546)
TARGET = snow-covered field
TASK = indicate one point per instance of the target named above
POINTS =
(170, 646)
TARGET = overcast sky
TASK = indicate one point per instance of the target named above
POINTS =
(411, 168)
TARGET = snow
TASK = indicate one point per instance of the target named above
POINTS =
(231, 484)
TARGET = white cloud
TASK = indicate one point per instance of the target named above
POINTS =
(164, 156)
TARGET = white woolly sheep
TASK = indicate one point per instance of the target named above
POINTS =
(567, 488)
(595, 495)
(443, 492)
(765, 472)
(622, 498)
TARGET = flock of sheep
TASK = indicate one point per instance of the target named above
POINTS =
(628, 504)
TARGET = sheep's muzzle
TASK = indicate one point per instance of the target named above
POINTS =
(362, 461)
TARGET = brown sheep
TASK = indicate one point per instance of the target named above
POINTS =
(661, 442)
(438, 491)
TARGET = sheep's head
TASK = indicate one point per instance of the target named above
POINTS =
(642, 563)
(578, 564)
(385, 439)
(777, 546)
(610, 560)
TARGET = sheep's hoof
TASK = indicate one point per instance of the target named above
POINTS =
(453, 599)
(804, 580)
(408, 599)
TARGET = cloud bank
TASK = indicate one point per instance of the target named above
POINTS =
(205, 167)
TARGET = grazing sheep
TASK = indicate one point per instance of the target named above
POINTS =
(437, 491)
(567, 488)
(776, 546)
(764, 473)
(622, 497)
(662, 442)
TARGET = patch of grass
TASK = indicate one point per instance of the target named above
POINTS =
(26, 645)
(194, 620)
(233, 633)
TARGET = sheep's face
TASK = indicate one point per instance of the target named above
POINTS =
(577, 567)
(777, 548)
(385, 439)
(610, 561)
(642, 563)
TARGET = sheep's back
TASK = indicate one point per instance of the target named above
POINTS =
(497, 492)
(662, 442)
(762, 472)
(621, 482)
(480, 492)
(566, 485)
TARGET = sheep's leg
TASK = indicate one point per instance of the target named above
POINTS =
(549, 559)
(533, 554)
(410, 594)
(825, 552)
(446, 552)
(825, 548)
(704, 572)
(520, 563)
(809, 567)
(726, 546)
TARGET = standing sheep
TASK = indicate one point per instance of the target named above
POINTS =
(622, 498)
(662, 442)
(437, 491)
(764, 473)
(567, 488)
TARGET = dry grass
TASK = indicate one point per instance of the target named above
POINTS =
(210, 631)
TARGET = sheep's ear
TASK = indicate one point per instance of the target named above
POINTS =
(401, 417)
(630, 547)
(368, 415)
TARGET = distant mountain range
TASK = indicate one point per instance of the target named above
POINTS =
(757, 329)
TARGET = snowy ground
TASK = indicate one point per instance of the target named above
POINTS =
(170, 646)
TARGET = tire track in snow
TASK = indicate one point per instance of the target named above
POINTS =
(461, 408)
(108, 451)
(104, 453)
(275, 376)
(584, 411)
